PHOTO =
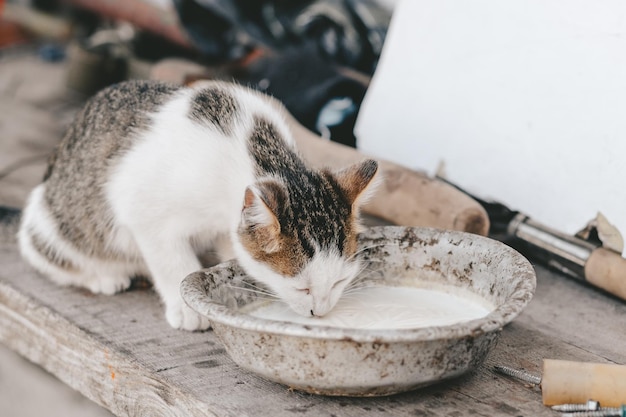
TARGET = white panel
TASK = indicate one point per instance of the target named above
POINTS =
(525, 101)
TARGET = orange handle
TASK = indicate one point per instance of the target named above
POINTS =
(607, 270)
(565, 382)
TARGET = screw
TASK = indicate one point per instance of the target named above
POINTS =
(591, 405)
(604, 412)
(518, 374)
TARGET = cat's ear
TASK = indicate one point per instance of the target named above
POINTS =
(261, 204)
(358, 180)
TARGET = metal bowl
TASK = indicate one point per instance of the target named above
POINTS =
(364, 362)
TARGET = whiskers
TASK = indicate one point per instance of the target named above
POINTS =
(261, 292)
(363, 275)
(360, 251)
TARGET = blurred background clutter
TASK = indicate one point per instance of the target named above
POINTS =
(316, 56)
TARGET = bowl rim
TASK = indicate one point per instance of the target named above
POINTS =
(197, 299)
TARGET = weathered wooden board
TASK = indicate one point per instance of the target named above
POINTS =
(120, 352)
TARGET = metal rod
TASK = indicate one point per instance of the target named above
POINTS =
(565, 252)
(518, 374)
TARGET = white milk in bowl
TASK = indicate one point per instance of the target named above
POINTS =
(384, 307)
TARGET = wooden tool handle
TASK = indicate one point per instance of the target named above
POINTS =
(565, 382)
(405, 197)
(607, 269)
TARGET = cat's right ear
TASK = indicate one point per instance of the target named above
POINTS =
(259, 214)
(358, 180)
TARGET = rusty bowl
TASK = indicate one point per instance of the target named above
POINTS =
(364, 362)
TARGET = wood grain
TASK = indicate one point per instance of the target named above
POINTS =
(120, 352)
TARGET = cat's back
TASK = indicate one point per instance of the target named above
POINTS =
(171, 119)
(156, 140)
(72, 194)
(107, 126)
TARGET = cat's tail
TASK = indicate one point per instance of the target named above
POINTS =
(42, 245)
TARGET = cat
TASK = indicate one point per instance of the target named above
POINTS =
(150, 175)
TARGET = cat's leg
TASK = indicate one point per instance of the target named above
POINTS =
(107, 279)
(169, 261)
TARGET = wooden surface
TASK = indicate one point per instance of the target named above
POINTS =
(120, 352)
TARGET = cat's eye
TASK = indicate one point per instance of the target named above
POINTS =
(304, 290)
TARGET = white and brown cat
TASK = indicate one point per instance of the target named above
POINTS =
(149, 175)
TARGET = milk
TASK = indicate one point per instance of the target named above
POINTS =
(387, 308)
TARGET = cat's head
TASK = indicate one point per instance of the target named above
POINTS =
(299, 237)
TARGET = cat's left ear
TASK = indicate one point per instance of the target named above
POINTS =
(262, 203)
(358, 180)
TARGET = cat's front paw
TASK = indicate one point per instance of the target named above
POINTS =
(108, 285)
(180, 316)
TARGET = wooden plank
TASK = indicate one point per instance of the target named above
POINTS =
(120, 352)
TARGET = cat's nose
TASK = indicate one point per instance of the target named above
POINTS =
(320, 307)
(320, 310)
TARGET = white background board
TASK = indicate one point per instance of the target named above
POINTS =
(524, 101)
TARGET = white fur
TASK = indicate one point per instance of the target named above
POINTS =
(189, 190)
(176, 192)
(315, 290)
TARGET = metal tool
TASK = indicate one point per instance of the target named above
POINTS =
(589, 409)
(567, 382)
(573, 256)
(604, 412)
(518, 374)
(590, 405)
